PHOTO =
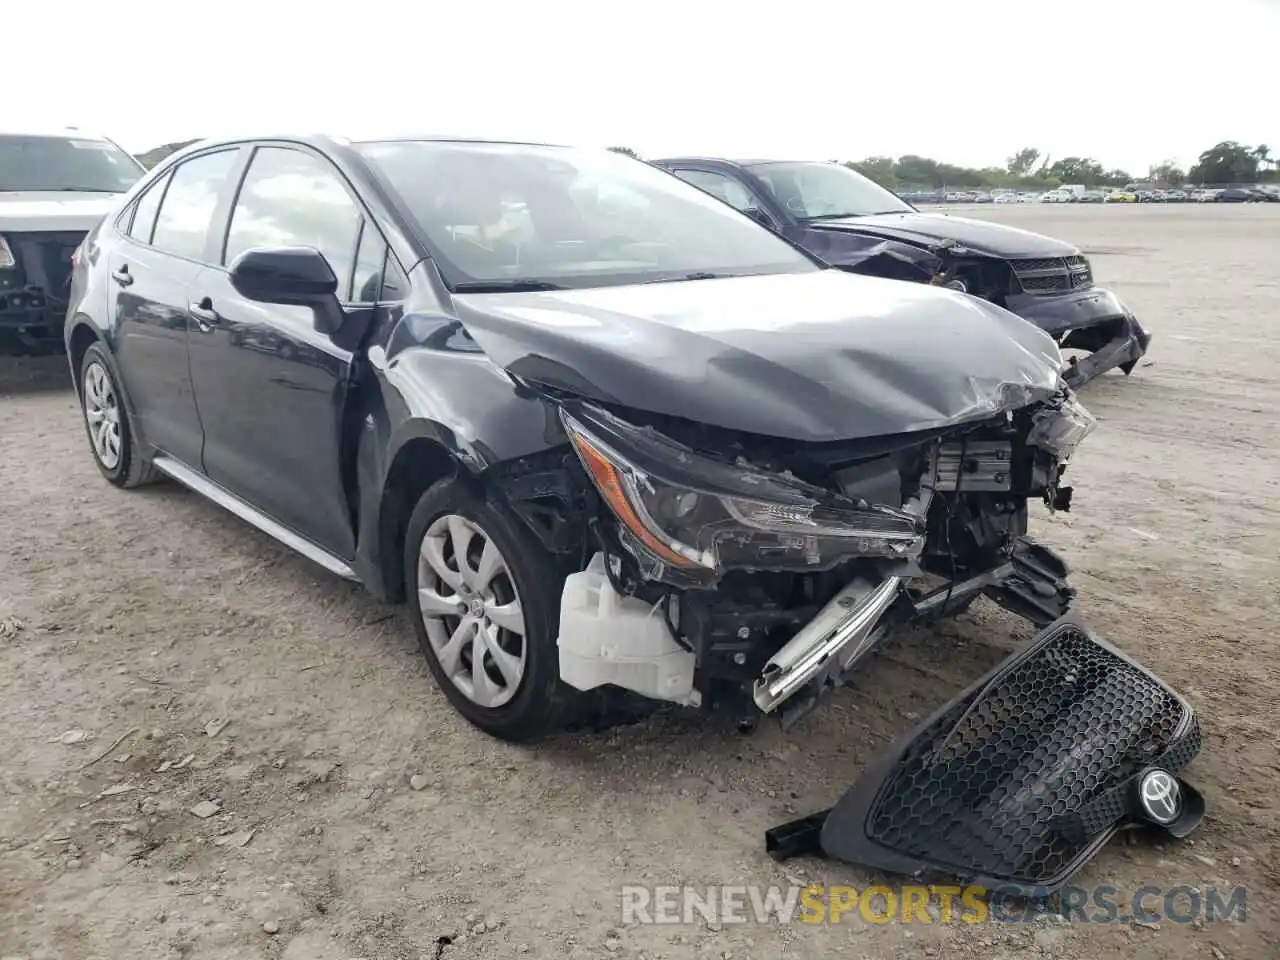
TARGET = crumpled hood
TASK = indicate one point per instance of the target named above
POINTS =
(980, 236)
(814, 356)
(53, 211)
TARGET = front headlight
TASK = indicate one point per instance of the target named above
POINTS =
(700, 516)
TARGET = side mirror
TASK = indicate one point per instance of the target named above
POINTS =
(298, 276)
(759, 216)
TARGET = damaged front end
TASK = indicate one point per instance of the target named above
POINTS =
(35, 278)
(771, 567)
(1057, 294)
(759, 573)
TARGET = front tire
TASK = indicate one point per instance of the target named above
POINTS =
(113, 439)
(485, 599)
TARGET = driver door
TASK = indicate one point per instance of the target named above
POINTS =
(271, 389)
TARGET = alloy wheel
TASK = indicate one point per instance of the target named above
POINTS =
(102, 414)
(471, 609)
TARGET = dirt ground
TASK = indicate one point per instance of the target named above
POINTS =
(148, 615)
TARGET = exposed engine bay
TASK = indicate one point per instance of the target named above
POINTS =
(727, 567)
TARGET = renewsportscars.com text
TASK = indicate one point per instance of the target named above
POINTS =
(931, 904)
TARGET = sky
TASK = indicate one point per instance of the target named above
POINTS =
(1128, 82)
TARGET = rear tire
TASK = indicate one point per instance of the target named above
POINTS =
(487, 623)
(113, 437)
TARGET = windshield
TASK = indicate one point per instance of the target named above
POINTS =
(65, 163)
(826, 191)
(518, 217)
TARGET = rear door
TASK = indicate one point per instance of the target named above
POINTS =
(151, 274)
(271, 389)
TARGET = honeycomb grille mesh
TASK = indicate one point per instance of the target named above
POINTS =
(1016, 780)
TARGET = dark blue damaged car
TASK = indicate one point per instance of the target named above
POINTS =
(857, 225)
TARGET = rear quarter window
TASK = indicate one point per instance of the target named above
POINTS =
(186, 213)
(145, 209)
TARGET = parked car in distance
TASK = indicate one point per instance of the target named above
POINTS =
(598, 428)
(55, 184)
(854, 223)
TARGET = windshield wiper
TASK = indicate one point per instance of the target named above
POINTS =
(850, 216)
(505, 286)
(696, 275)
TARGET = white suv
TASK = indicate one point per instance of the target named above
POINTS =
(55, 185)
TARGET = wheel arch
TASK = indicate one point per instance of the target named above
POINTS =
(419, 462)
(83, 335)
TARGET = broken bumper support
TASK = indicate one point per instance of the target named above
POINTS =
(1021, 779)
(1032, 584)
(840, 634)
(1126, 345)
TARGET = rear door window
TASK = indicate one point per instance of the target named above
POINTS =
(186, 213)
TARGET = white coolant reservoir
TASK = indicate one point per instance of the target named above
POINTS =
(608, 638)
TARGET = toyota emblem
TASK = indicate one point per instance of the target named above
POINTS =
(1160, 796)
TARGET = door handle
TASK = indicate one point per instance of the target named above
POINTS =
(202, 312)
(122, 276)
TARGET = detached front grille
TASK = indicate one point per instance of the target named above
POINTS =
(1044, 276)
(1021, 778)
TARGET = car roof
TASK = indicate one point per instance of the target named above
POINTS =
(324, 142)
(763, 163)
(440, 138)
(49, 130)
(741, 164)
(329, 139)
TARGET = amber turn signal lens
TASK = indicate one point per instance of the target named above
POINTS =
(607, 481)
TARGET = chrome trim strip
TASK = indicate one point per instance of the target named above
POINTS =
(840, 630)
(229, 501)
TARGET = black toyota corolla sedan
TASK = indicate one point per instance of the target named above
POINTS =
(601, 430)
(616, 442)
